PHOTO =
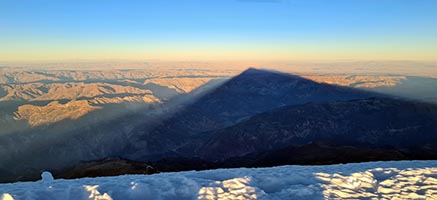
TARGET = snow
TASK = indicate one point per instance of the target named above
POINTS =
(373, 180)
(47, 177)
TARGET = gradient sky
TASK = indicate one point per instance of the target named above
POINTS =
(218, 30)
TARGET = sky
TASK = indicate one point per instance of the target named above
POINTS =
(42, 30)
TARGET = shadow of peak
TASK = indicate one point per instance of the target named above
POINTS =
(268, 79)
(252, 71)
(266, 73)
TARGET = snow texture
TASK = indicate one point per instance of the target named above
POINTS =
(373, 180)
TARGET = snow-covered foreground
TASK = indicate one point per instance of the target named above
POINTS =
(374, 180)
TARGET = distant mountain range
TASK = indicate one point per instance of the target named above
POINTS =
(267, 118)
(260, 118)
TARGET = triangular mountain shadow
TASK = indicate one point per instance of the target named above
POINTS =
(252, 92)
(268, 118)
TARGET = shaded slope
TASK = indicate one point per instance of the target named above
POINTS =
(374, 122)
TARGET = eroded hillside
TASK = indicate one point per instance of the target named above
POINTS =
(44, 97)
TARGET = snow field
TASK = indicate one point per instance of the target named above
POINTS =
(373, 180)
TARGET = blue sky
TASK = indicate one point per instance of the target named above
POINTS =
(221, 29)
